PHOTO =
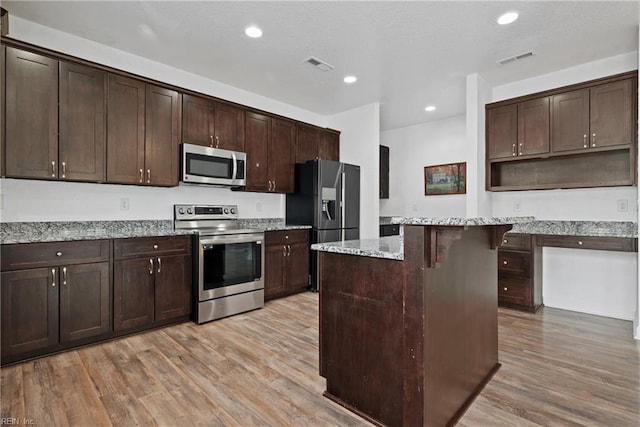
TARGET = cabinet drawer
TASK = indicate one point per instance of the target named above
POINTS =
(514, 263)
(33, 255)
(286, 237)
(590, 242)
(151, 246)
(514, 290)
(516, 241)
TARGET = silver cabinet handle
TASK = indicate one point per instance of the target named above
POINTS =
(269, 185)
(505, 241)
(593, 140)
(64, 169)
(584, 141)
(64, 275)
(211, 141)
(580, 242)
(148, 176)
(505, 288)
(53, 277)
(53, 169)
(217, 142)
(274, 185)
(159, 265)
(288, 250)
(284, 250)
(513, 149)
(155, 246)
(520, 149)
(504, 262)
(58, 253)
(141, 175)
(150, 265)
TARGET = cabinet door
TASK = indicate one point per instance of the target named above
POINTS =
(612, 121)
(256, 145)
(31, 115)
(197, 121)
(281, 156)
(502, 131)
(173, 287)
(125, 130)
(329, 146)
(162, 133)
(133, 293)
(274, 271)
(570, 121)
(533, 126)
(297, 274)
(82, 143)
(308, 140)
(29, 310)
(384, 172)
(85, 309)
(229, 127)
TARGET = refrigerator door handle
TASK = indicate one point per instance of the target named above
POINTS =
(343, 205)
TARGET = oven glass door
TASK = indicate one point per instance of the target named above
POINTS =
(230, 262)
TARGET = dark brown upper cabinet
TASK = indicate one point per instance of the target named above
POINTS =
(212, 124)
(125, 131)
(31, 115)
(143, 124)
(315, 143)
(269, 145)
(82, 141)
(519, 129)
(162, 136)
(601, 116)
(384, 172)
(583, 135)
(329, 147)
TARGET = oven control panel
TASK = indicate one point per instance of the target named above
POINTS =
(198, 212)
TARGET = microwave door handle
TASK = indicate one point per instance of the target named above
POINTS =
(235, 166)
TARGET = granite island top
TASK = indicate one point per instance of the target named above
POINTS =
(390, 247)
(461, 221)
(625, 229)
(32, 232)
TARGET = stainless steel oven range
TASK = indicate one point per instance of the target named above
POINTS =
(228, 262)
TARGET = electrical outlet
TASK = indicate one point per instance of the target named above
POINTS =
(623, 205)
(124, 204)
(517, 206)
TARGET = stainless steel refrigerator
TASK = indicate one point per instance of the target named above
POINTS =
(327, 197)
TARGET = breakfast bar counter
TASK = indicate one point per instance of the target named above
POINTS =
(411, 340)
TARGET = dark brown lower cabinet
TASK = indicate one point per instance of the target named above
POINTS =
(520, 272)
(153, 284)
(49, 306)
(286, 263)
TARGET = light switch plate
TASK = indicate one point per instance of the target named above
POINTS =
(124, 204)
(623, 205)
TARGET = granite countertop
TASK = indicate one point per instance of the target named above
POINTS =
(461, 221)
(390, 247)
(32, 232)
(626, 229)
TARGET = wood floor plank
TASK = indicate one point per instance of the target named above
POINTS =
(261, 369)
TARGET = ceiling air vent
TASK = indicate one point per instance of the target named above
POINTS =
(319, 64)
(516, 57)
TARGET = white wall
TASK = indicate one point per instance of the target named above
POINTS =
(359, 142)
(410, 150)
(636, 319)
(27, 200)
(24, 200)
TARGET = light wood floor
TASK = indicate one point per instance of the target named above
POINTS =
(261, 369)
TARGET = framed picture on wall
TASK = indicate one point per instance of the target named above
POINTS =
(445, 179)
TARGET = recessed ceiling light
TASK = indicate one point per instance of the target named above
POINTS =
(350, 79)
(430, 108)
(507, 18)
(253, 32)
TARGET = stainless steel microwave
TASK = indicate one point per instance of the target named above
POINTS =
(214, 166)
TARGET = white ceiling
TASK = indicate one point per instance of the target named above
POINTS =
(406, 54)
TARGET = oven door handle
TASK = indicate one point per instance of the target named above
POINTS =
(232, 238)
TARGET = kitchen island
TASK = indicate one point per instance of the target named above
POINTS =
(408, 326)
